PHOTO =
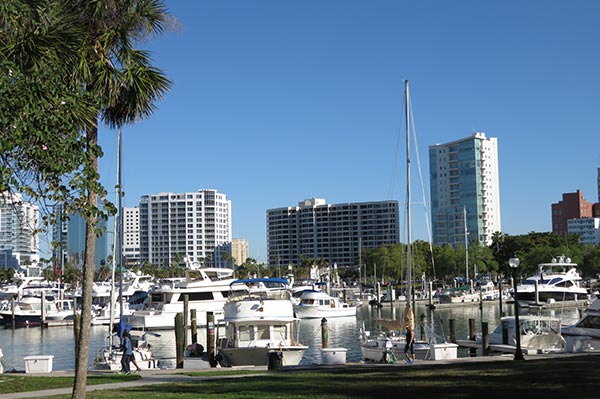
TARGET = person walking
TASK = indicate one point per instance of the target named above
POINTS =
(409, 347)
(127, 347)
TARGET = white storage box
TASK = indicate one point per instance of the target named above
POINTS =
(38, 364)
(333, 355)
(578, 344)
(444, 351)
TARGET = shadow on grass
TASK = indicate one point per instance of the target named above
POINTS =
(540, 378)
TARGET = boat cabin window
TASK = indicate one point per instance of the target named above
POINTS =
(279, 332)
(246, 333)
(590, 322)
(324, 302)
(198, 296)
(307, 301)
(263, 332)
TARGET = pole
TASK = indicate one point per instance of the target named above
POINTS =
(119, 237)
(518, 352)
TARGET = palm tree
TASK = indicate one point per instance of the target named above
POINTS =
(126, 87)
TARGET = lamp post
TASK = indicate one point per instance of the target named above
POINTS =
(514, 264)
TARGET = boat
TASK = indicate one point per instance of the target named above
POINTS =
(319, 304)
(28, 311)
(462, 294)
(109, 358)
(389, 346)
(539, 334)
(259, 319)
(554, 282)
(586, 329)
(206, 293)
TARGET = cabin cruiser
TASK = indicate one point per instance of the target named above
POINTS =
(539, 334)
(587, 328)
(28, 311)
(555, 281)
(259, 318)
(318, 304)
(206, 293)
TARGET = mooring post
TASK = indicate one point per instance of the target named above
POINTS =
(186, 316)
(485, 338)
(194, 326)
(179, 340)
(324, 334)
(452, 331)
(210, 338)
(473, 351)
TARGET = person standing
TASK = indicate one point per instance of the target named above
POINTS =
(127, 347)
(409, 347)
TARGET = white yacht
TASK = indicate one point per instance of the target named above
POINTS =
(539, 334)
(259, 319)
(318, 304)
(207, 293)
(588, 327)
(555, 281)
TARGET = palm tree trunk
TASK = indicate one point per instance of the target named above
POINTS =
(83, 343)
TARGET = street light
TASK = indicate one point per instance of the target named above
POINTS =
(514, 264)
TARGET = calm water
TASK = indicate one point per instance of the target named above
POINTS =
(343, 332)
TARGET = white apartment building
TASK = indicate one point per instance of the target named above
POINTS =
(335, 233)
(588, 229)
(19, 241)
(186, 226)
(464, 180)
(131, 236)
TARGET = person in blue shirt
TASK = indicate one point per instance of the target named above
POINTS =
(127, 347)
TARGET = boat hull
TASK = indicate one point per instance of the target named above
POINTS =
(255, 356)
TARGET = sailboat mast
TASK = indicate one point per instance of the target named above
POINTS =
(466, 244)
(119, 237)
(408, 199)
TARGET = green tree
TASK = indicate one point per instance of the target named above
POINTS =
(66, 65)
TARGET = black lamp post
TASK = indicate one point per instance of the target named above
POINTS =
(514, 264)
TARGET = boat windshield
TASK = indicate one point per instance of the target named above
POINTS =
(590, 322)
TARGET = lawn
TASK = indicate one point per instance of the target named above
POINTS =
(564, 376)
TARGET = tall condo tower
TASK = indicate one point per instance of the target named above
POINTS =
(465, 190)
(19, 242)
(188, 227)
(334, 233)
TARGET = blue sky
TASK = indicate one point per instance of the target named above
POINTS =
(274, 102)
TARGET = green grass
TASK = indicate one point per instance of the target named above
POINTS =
(25, 383)
(568, 376)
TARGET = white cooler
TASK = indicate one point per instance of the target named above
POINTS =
(38, 364)
(333, 355)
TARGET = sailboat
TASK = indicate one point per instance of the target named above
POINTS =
(110, 356)
(389, 348)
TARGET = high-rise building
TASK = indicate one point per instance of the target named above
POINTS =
(131, 236)
(335, 233)
(588, 230)
(184, 227)
(71, 233)
(19, 241)
(572, 206)
(465, 190)
(239, 251)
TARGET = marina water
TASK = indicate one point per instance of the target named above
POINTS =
(343, 332)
